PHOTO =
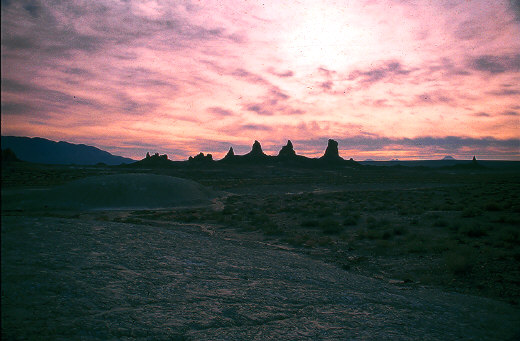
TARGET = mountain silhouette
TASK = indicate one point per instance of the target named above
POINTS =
(9, 156)
(40, 150)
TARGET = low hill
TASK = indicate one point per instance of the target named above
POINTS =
(39, 150)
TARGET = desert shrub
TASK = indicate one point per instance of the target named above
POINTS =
(310, 223)
(330, 226)
(460, 261)
(271, 229)
(325, 212)
(259, 219)
(440, 223)
(377, 223)
(470, 212)
(449, 207)
(370, 234)
(492, 206)
(227, 210)
(443, 245)
(387, 234)
(350, 220)
(415, 244)
(132, 221)
(186, 217)
(432, 216)
(409, 210)
(509, 235)
(473, 230)
(382, 247)
(324, 241)
(232, 199)
(297, 239)
(371, 221)
(400, 230)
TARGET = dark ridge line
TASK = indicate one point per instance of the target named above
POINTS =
(287, 156)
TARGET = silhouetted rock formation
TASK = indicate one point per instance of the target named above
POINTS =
(256, 150)
(230, 153)
(153, 161)
(473, 165)
(331, 153)
(200, 159)
(230, 157)
(156, 156)
(256, 154)
(332, 150)
(287, 157)
(287, 151)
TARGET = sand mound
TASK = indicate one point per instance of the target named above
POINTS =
(120, 191)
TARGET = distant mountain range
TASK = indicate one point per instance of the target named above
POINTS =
(39, 150)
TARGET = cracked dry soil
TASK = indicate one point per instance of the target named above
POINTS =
(68, 279)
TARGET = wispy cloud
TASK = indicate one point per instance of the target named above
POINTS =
(496, 64)
(220, 111)
(283, 74)
(248, 76)
(389, 70)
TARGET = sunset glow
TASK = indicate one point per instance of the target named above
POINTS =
(386, 79)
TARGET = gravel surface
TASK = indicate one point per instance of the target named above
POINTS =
(66, 279)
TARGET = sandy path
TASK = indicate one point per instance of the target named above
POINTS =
(77, 279)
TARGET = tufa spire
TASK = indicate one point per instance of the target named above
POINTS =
(287, 150)
(331, 153)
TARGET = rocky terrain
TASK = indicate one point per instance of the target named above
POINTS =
(264, 252)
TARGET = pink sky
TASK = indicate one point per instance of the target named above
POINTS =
(386, 79)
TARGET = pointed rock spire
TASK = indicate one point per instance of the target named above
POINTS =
(257, 149)
(256, 154)
(331, 153)
(230, 153)
(287, 150)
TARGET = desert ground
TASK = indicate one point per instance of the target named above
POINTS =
(260, 253)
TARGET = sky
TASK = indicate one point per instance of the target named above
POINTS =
(386, 79)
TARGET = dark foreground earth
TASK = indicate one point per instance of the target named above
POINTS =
(268, 254)
(71, 279)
